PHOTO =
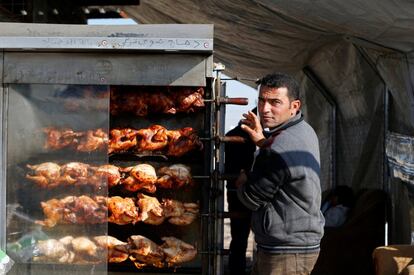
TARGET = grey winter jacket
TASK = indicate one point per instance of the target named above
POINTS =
(283, 190)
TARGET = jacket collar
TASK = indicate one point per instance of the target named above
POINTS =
(290, 122)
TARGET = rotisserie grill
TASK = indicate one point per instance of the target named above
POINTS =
(112, 143)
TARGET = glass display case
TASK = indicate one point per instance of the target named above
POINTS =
(110, 149)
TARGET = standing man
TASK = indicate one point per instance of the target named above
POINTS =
(238, 157)
(283, 188)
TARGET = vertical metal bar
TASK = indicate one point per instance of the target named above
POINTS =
(208, 262)
(389, 207)
(386, 182)
(330, 99)
(3, 190)
(220, 182)
(217, 262)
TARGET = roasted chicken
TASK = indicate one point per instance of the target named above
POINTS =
(81, 250)
(52, 251)
(46, 174)
(153, 138)
(108, 174)
(182, 141)
(155, 100)
(57, 139)
(177, 252)
(141, 177)
(150, 210)
(188, 100)
(50, 174)
(74, 210)
(122, 140)
(145, 252)
(88, 141)
(116, 250)
(172, 252)
(179, 213)
(93, 141)
(157, 139)
(74, 173)
(84, 245)
(98, 209)
(174, 176)
(122, 210)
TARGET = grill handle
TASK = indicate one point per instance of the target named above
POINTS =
(233, 100)
(232, 139)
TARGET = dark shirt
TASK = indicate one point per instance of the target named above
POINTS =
(238, 155)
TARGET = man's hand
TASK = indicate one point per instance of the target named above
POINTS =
(251, 125)
(241, 179)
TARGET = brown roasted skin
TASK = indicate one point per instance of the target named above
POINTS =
(122, 210)
(141, 177)
(53, 251)
(160, 102)
(93, 140)
(74, 210)
(45, 174)
(50, 175)
(122, 140)
(106, 175)
(81, 250)
(117, 251)
(150, 210)
(179, 213)
(150, 100)
(144, 252)
(153, 138)
(182, 141)
(174, 176)
(74, 173)
(177, 252)
(91, 250)
(188, 100)
(57, 139)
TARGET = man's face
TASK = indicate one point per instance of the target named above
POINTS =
(275, 107)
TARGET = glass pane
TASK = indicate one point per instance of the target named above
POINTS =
(145, 125)
(57, 138)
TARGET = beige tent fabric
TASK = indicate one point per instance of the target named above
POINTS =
(253, 37)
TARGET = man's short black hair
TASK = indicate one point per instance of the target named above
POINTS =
(278, 80)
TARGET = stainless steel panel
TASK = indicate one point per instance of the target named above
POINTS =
(93, 69)
(107, 43)
(168, 37)
(209, 66)
(200, 31)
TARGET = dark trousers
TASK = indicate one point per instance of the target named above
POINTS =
(239, 229)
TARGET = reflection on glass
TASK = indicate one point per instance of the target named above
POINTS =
(56, 202)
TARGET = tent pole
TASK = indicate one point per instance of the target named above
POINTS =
(385, 178)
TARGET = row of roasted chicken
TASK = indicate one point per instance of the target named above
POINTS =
(154, 100)
(141, 177)
(140, 101)
(154, 139)
(118, 210)
(139, 249)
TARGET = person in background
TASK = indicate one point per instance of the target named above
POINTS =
(337, 205)
(238, 157)
(283, 188)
